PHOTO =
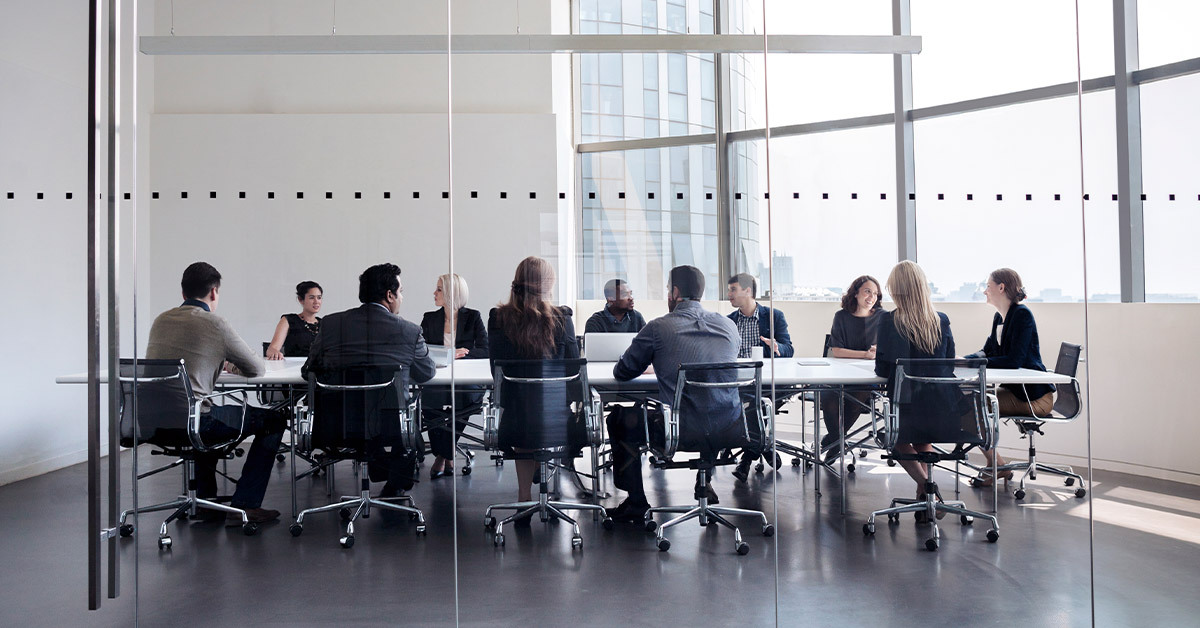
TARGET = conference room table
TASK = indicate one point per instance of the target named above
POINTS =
(781, 376)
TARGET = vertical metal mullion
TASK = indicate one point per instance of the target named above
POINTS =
(906, 181)
(726, 231)
(1131, 227)
(114, 338)
(93, 320)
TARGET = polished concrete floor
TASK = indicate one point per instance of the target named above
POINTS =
(818, 569)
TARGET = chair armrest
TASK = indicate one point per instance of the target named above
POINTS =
(670, 428)
(491, 424)
(302, 426)
(410, 423)
(991, 422)
(194, 421)
(887, 436)
(592, 417)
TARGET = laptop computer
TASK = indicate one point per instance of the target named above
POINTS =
(601, 347)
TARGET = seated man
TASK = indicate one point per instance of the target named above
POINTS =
(618, 316)
(688, 334)
(754, 327)
(373, 334)
(207, 344)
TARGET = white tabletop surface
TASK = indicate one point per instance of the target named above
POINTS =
(788, 371)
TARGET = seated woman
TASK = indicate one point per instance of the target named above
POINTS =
(528, 327)
(1013, 344)
(913, 330)
(852, 336)
(295, 332)
(453, 324)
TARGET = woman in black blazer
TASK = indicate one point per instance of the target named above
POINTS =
(1013, 344)
(470, 341)
(913, 330)
(528, 327)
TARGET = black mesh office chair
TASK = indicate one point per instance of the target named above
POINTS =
(436, 415)
(937, 401)
(352, 411)
(1067, 406)
(542, 410)
(705, 391)
(159, 408)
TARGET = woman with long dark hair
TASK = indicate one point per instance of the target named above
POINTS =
(528, 327)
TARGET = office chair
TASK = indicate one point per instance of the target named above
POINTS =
(703, 390)
(1066, 407)
(352, 410)
(939, 400)
(436, 415)
(542, 410)
(159, 408)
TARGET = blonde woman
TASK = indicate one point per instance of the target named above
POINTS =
(451, 324)
(913, 330)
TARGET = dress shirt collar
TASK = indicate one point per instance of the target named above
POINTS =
(196, 303)
(757, 310)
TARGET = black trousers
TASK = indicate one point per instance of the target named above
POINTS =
(267, 428)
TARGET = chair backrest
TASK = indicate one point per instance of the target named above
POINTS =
(355, 404)
(163, 406)
(1067, 403)
(828, 346)
(940, 400)
(717, 406)
(540, 403)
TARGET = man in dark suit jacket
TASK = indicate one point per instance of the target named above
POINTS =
(373, 334)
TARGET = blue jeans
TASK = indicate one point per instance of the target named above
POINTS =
(267, 428)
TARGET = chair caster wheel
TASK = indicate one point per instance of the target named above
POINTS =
(664, 545)
(498, 540)
(966, 519)
(768, 530)
(893, 518)
(344, 513)
(1069, 482)
(1019, 494)
(164, 543)
(239, 452)
(742, 549)
(931, 545)
(296, 529)
(868, 529)
(489, 522)
(1080, 492)
(249, 528)
(891, 463)
(466, 471)
(347, 541)
(795, 462)
(850, 468)
(412, 516)
(993, 536)
(421, 530)
(862, 453)
(576, 542)
(651, 525)
(126, 529)
(279, 458)
(607, 523)
(808, 465)
(758, 468)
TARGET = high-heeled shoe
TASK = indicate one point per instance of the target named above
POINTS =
(985, 480)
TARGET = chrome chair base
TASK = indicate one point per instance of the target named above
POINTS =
(353, 507)
(546, 509)
(931, 506)
(1031, 469)
(184, 506)
(706, 514)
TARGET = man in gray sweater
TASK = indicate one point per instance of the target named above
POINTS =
(208, 344)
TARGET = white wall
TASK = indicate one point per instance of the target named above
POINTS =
(1138, 359)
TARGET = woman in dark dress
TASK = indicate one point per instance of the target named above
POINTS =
(295, 332)
(451, 324)
(913, 330)
(1013, 344)
(528, 327)
(852, 336)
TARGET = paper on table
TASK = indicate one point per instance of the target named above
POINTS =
(812, 362)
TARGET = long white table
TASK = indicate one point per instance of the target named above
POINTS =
(785, 372)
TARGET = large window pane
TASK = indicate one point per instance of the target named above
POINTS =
(1171, 159)
(645, 211)
(1167, 31)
